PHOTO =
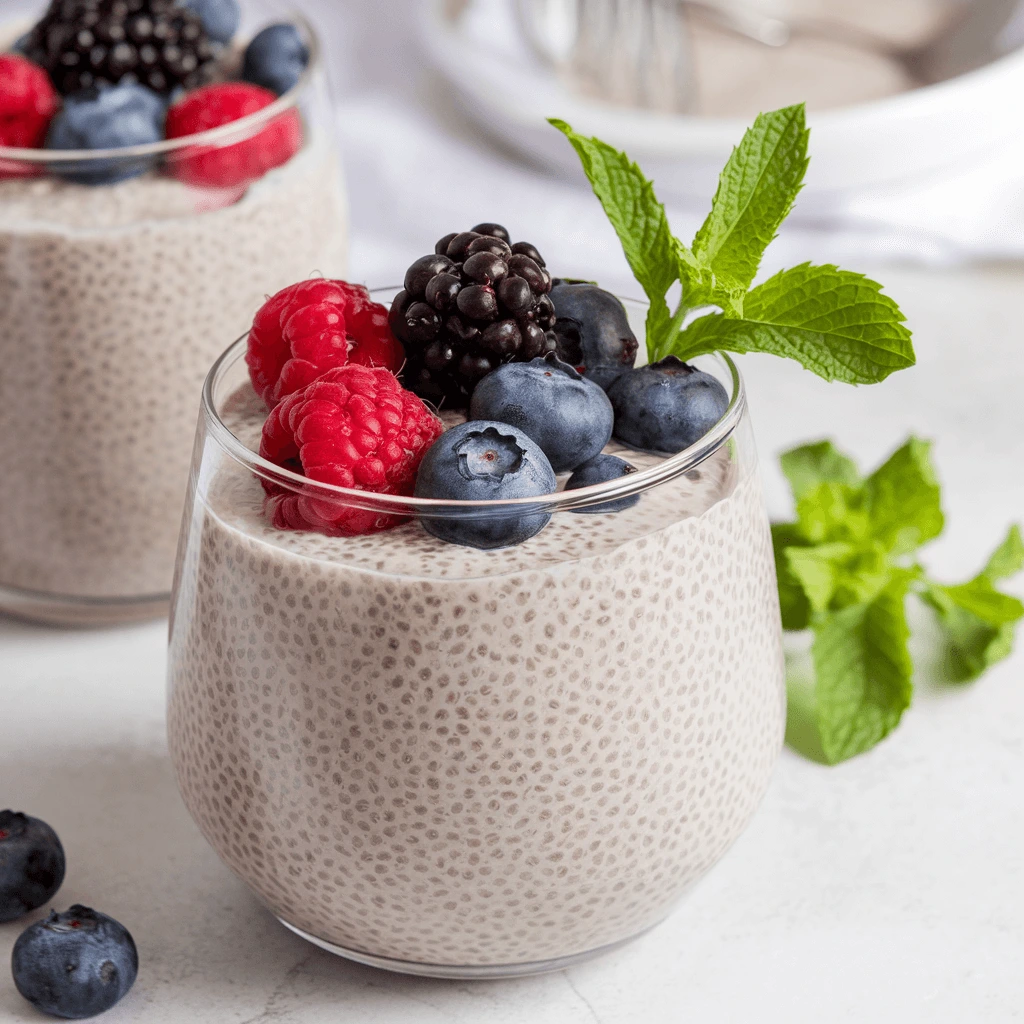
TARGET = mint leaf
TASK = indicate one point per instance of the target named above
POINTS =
(793, 603)
(755, 193)
(980, 598)
(1008, 558)
(813, 464)
(639, 220)
(905, 500)
(833, 512)
(817, 570)
(863, 673)
(835, 323)
(835, 576)
(977, 620)
(972, 644)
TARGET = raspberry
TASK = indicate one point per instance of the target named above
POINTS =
(314, 326)
(354, 427)
(241, 162)
(27, 103)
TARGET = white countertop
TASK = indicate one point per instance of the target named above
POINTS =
(887, 889)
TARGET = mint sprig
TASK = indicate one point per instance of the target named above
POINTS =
(639, 220)
(845, 568)
(836, 323)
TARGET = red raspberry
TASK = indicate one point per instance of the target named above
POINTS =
(27, 103)
(315, 326)
(356, 427)
(239, 163)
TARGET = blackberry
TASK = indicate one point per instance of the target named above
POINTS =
(476, 302)
(82, 43)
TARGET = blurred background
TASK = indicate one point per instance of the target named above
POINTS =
(916, 114)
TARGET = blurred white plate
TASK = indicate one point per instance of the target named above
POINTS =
(906, 137)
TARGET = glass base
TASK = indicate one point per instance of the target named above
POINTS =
(455, 972)
(60, 610)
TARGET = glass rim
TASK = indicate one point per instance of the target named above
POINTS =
(672, 466)
(285, 102)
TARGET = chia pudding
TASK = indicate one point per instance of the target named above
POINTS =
(458, 761)
(114, 300)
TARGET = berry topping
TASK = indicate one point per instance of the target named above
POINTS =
(31, 864)
(315, 326)
(593, 331)
(474, 303)
(111, 117)
(276, 58)
(569, 416)
(220, 17)
(600, 470)
(666, 407)
(76, 964)
(485, 461)
(100, 42)
(27, 102)
(228, 164)
(356, 427)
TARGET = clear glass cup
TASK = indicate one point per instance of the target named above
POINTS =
(114, 300)
(464, 763)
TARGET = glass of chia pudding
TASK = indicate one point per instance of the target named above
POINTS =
(470, 736)
(162, 170)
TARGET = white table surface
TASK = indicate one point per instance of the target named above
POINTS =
(890, 889)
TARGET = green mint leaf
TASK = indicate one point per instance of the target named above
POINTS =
(835, 323)
(862, 673)
(973, 645)
(833, 512)
(796, 610)
(639, 220)
(1007, 559)
(905, 499)
(980, 598)
(814, 464)
(817, 570)
(835, 576)
(977, 620)
(756, 191)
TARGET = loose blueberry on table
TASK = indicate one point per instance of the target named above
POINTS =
(76, 964)
(101, 74)
(31, 864)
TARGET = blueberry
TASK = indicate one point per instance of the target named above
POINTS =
(276, 58)
(109, 117)
(76, 964)
(593, 331)
(569, 416)
(220, 17)
(21, 44)
(485, 461)
(666, 407)
(600, 470)
(31, 864)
